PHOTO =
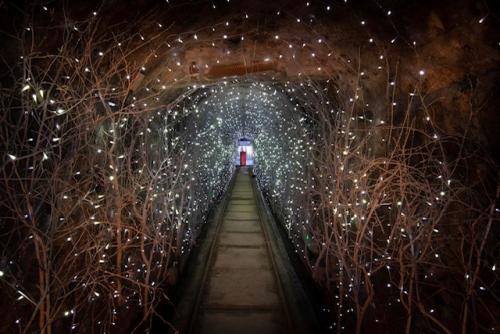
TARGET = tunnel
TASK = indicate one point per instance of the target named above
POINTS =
(230, 166)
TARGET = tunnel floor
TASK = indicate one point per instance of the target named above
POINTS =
(241, 293)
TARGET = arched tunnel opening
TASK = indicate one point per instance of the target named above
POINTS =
(249, 167)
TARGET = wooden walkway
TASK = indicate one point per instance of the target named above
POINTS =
(241, 292)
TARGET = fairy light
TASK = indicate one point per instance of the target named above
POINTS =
(195, 142)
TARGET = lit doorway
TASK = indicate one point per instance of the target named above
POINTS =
(244, 156)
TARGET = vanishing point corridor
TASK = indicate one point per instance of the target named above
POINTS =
(249, 166)
(241, 292)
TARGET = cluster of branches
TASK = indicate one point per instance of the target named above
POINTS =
(396, 219)
(97, 202)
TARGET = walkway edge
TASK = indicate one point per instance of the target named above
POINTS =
(197, 266)
(300, 307)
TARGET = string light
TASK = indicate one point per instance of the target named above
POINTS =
(173, 162)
